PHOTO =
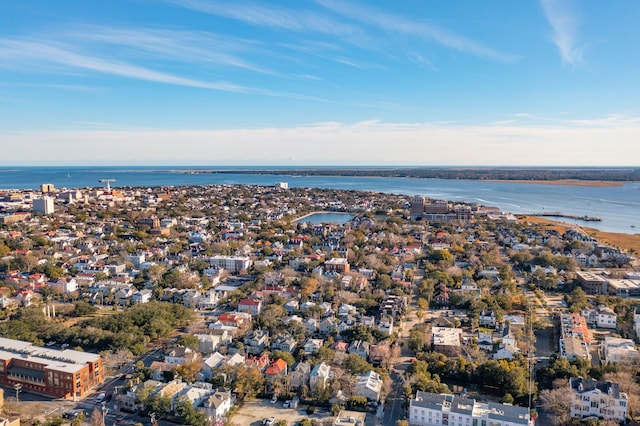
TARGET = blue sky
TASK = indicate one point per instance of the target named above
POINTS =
(326, 82)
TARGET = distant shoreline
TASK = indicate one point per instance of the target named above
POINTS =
(568, 182)
(625, 241)
(599, 177)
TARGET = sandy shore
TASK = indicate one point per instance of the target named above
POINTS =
(569, 182)
(628, 242)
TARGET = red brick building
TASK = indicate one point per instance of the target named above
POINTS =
(51, 372)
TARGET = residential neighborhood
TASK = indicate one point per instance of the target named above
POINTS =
(229, 304)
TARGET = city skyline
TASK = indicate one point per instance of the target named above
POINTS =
(198, 82)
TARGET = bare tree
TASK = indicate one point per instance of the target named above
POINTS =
(555, 403)
(627, 383)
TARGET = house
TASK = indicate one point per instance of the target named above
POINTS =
(276, 368)
(65, 285)
(386, 325)
(617, 350)
(261, 362)
(210, 343)
(256, 341)
(319, 375)
(337, 265)
(209, 364)
(312, 346)
(597, 398)
(181, 355)
(292, 306)
(328, 326)
(485, 339)
(339, 346)
(284, 342)
(218, 404)
(25, 298)
(310, 324)
(250, 306)
(142, 296)
(345, 310)
(447, 340)
(432, 409)
(350, 418)
(487, 319)
(508, 346)
(360, 348)
(369, 385)
(378, 353)
(191, 298)
(601, 317)
(299, 376)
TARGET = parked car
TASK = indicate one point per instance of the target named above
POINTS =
(269, 422)
(274, 399)
(101, 397)
(286, 404)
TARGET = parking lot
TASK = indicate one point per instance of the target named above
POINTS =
(253, 412)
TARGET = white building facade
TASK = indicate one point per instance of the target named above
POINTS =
(431, 409)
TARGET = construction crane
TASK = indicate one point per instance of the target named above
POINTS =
(108, 182)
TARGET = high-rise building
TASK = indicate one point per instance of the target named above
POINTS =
(47, 187)
(43, 205)
(417, 207)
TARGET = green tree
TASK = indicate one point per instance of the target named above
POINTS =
(355, 364)
(191, 416)
(284, 355)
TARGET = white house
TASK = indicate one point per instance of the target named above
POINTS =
(369, 385)
(601, 316)
(319, 375)
(250, 306)
(218, 404)
(142, 296)
(615, 350)
(596, 398)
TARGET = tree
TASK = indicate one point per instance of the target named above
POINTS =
(417, 339)
(161, 405)
(577, 300)
(284, 355)
(556, 402)
(249, 382)
(189, 370)
(356, 364)
(191, 415)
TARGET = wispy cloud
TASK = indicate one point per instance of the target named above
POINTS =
(35, 54)
(564, 22)
(274, 17)
(427, 31)
(178, 45)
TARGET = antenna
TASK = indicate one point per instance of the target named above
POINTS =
(108, 182)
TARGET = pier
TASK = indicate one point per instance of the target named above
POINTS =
(569, 216)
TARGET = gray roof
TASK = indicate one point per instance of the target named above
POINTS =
(590, 384)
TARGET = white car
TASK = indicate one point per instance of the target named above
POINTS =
(269, 422)
(274, 399)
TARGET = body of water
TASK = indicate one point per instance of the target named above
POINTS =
(618, 206)
(324, 217)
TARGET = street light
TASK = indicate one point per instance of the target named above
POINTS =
(18, 388)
